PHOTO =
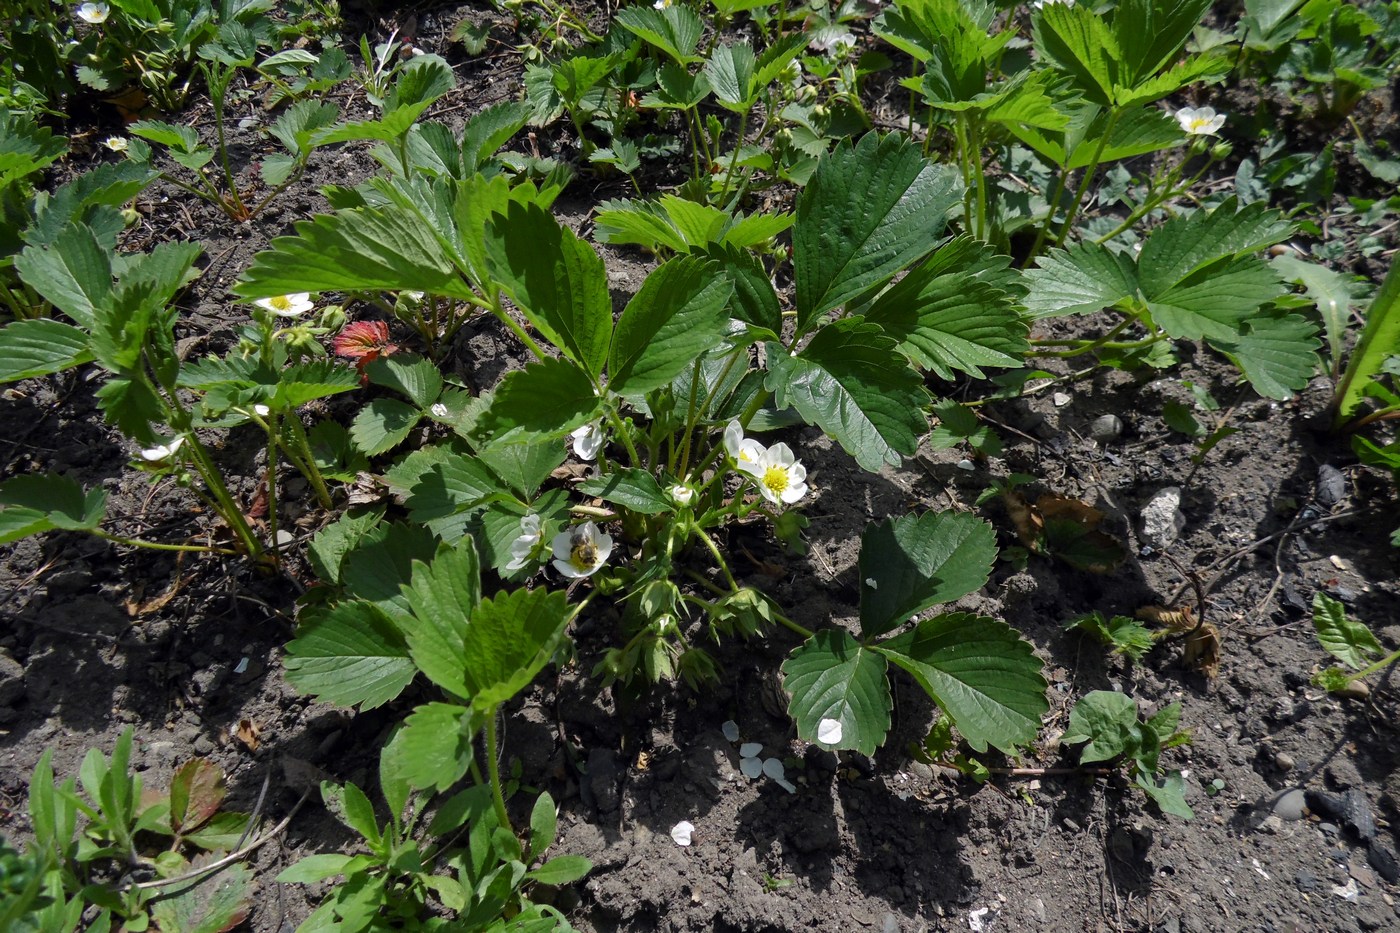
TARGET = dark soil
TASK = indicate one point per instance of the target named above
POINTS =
(98, 638)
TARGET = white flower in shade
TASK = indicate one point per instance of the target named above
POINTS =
(681, 494)
(829, 732)
(781, 479)
(588, 440)
(1200, 121)
(522, 549)
(664, 4)
(162, 452)
(438, 410)
(1041, 4)
(745, 451)
(95, 13)
(262, 411)
(682, 832)
(288, 305)
(581, 550)
(115, 143)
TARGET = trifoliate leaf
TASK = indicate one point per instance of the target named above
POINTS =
(408, 374)
(547, 399)
(1107, 721)
(678, 314)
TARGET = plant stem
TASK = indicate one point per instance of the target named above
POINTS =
(158, 546)
(493, 769)
(719, 558)
(305, 461)
(616, 421)
(1089, 171)
(1382, 663)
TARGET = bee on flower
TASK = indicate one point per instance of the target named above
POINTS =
(1200, 121)
(287, 305)
(580, 551)
(94, 13)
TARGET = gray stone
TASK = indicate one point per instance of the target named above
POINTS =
(1105, 428)
(603, 778)
(1284, 761)
(1162, 520)
(1290, 805)
(1331, 485)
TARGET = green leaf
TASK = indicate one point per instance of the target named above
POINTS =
(947, 320)
(331, 544)
(915, 561)
(1347, 640)
(544, 823)
(1331, 292)
(639, 223)
(754, 302)
(1169, 794)
(730, 69)
(1378, 341)
(388, 247)
(1188, 243)
(634, 489)
(677, 315)
(36, 503)
(1276, 352)
(1078, 41)
(74, 272)
(457, 484)
(546, 399)
(871, 209)
(675, 30)
(510, 639)
(981, 673)
(306, 382)
(316, 868)
(1123, 634)
(382, 425)
(556, 280)
(408, 374)
(832, 676)
(1083, 279)
(218, 902)
(444, 596)
(487, 131)
(564, 869)
(844, 382)
(434, 747)
(349, 654)
(179, 138)
(1107, 721)
(39, 347)
(377, 569)
(1214, 302)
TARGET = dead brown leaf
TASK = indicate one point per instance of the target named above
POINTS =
(1202, 650)
(249, 733)
(136, 607)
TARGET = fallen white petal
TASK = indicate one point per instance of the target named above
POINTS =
(730, 728)
(243, 666)
(751, 767)
(974, 919)
(750, 749)
(774, 769)
(829, 732)
(681, 833)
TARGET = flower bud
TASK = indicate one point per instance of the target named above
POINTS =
(332, 318)
(1221, 150)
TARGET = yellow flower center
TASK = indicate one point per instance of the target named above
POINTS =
(776, 479)
(281, 303)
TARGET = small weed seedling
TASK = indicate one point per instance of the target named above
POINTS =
(1110, 727)
(1350, 642)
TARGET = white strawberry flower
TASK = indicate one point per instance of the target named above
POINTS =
(522, 549)
(744, 451)
(580, 551)
(262, 411)
(681, 494)
(94, 13)
(664, 4)
(1200, 121)
(781, 479)
(288, 305)
(115, 143)
(1041, 4)
(588, 440)
(163, 452)
(438, 410)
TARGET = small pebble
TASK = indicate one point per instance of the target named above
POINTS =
(966, 464)
(1284, 761)
(1290, 805)
(1106, 428)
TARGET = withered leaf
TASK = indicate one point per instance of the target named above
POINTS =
(249, 733)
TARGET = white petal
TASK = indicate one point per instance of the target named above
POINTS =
(262, 411)
(794, 492)
(682, 832)
(438, 410)
(733, 437)
(568, 570)
(829, 732)
(750, 749)
(530, 525)
(751, 767)
(562, 546)
(773, 767)
(779, 455)
(730, 728)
